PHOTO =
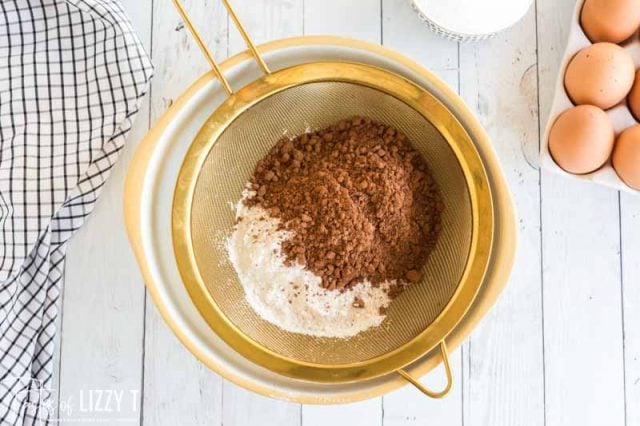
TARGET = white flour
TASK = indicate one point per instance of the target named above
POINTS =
(290, 296)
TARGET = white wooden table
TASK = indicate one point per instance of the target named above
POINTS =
(562, 346)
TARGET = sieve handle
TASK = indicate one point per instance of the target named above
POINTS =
(447, 368)
(207, 53)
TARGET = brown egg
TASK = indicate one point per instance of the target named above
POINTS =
(610, 20)
(626, 157)
(581, 139)
(634, 97)
(601, 74)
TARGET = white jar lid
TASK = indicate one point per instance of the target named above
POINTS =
(471, 19)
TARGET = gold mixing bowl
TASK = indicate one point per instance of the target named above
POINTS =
(243, 129)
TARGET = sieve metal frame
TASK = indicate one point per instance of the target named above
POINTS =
(421, 101)
(418, 99)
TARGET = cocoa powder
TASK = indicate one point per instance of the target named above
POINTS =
(359, 200)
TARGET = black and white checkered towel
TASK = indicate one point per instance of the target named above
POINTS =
(72, 76)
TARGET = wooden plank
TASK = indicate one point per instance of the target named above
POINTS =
(103, 303)
(173, 47)
(582, 304)
(355, 18)
(504, 372)
(403, 31)
(581, 271)
(630, 238)
(242, 407)
(359, 19)
(265, 20)
(178, 389)
(367, 413)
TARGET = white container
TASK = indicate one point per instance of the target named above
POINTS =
(148, 200)
(470, 20)
(619, 115)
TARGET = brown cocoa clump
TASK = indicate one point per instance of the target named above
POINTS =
(359, 200)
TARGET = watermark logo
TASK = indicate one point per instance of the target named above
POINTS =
(90, 405)
(108, 405)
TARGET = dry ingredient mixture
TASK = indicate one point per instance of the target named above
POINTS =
(333, 225)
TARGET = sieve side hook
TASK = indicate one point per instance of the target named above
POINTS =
(207, 53)
(447, 368)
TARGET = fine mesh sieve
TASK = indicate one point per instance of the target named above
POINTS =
(243, 129)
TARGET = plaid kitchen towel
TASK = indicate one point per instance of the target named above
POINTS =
(72, 77)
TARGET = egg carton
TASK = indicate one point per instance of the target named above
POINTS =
(620, 115)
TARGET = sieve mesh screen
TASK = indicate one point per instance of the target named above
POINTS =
(230, 163)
